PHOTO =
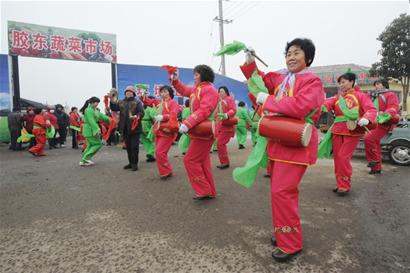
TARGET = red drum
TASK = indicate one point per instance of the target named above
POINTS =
(285, 130)
(204, 130)
(169, 126)
(230, 121)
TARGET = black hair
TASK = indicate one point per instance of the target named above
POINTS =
(206, 73)
(37, 111)
(169, 89)
(87, 102)
(73, 108)
(187, 103)
(351, 77)
(382, 81)
(225, 89)
(241, 104)
(306, 45)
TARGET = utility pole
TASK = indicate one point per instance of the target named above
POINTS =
(221, 21)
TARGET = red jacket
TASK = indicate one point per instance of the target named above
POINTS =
(308, 95)
(229, 108)
(353, 97)
(203, 101)
(40, 121)
(75, 119)
(389, 103)
(168, 107)
(52, 118)
(149, 102)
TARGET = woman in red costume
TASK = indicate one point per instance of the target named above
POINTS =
(294, 92)
(167, 111)
(350, 106)
(203, 101)
(387, 105)
(225, 125)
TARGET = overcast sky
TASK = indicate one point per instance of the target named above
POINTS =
(183, 33)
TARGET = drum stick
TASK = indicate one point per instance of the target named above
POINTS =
(256, 110)
(367, 129)
(254, 55)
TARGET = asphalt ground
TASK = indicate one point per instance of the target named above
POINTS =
(56, 216)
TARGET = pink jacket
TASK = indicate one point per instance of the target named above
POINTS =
(353, 97)
(308, 95)
(203, 101)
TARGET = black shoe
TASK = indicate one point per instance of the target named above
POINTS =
(128, 166)
(205, 197)
(282, 257)
(150, 158)
(372, 164)
(342, 193)
(134, 168)
(241, 147)
(273, 241)
(183, 153)
(335, 189)
(223, 166)
(165, 177)
(267, 175)
(375, 172)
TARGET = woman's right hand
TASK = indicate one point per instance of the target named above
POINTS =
(249, 58)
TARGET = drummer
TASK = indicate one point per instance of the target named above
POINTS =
(344, 141)
(293, 92)
(165, 138)
(204, 99)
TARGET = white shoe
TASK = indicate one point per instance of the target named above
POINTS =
(89, 162)
(84, 163)
(62, 145)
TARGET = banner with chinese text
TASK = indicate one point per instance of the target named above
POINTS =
(61, 43)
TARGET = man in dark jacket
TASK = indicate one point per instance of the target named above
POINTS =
(131, 113)
(63, 121)
(15, 123)
(28, 124)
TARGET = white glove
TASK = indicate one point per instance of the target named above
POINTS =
(226, 116)
(159, 118)
(261, 98)
(175, 76)
(363, 122)
(183, 129)
(249, 58)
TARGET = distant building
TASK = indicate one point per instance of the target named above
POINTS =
(330, 73)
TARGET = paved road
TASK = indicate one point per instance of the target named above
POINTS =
(58, 217)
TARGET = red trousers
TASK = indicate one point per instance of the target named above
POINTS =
(343, 149)
(41, 140)
(372, 146)
(197, 163)
(162, 146)
(223, 139)
(285, 179)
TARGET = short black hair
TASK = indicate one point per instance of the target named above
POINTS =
(241, 104)
(306, 45)
(186, 103)
(382, 81)
(349, 76)
(73, 108)
(225, 89)
(37, 111)
(169, 89)
(206, 73)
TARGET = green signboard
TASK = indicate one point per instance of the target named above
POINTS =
(61, 43)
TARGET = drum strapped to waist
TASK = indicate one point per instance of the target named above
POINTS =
(171, 125)
(285, 130)
(204, 130)
(351, 124)
(230, 121)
